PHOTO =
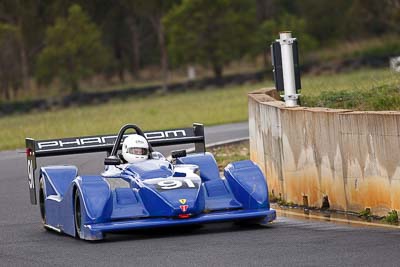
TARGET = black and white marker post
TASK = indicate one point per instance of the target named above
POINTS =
(285, 62)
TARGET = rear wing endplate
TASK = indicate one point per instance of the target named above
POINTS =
(104, 143)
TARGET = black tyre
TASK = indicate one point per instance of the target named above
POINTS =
(42, 197)
(78, 214)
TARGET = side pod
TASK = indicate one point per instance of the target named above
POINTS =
(248, 184)
(96, 198)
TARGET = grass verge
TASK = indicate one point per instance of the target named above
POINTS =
(226, 154)
(385, 97)
(367, 89)
(210, 106)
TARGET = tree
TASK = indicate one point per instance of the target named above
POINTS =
(73, 50)
(265, 9)
(211, 32)
(133, 21)
(369, 17)
(22, 17)
(154, 11)
(326, 20)
(10, 69)
(112, 18)
(269, 31)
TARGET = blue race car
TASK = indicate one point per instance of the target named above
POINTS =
(157, 192)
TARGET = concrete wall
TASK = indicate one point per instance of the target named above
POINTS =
(351, 157)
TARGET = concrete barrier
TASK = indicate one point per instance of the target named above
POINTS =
(350, 157)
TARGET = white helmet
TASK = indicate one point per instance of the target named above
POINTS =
(135, 148)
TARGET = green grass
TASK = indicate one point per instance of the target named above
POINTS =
(367, 89)
(377, 99)
(210, 106)
(360, 80)
(230, 153)
(392, 217)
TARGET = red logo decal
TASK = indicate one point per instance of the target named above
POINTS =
(184, 207)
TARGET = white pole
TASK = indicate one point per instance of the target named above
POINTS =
(286, 42)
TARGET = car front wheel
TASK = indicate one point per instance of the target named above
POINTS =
(42, 198)
(78, 214)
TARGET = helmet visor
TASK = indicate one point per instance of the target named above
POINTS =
(137, 151)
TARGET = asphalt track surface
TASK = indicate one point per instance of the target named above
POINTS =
(286, 242)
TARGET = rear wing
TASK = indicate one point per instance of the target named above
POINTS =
(104, 143)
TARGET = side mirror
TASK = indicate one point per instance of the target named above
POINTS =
(112, 161)
(178, 153)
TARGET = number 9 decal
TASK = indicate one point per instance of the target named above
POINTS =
(169, 184)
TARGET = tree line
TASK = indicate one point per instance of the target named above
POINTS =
(46, 40)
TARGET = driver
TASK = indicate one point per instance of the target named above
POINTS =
(135, 149)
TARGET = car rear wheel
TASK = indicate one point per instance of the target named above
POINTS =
(42, 198)
(78, 214)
